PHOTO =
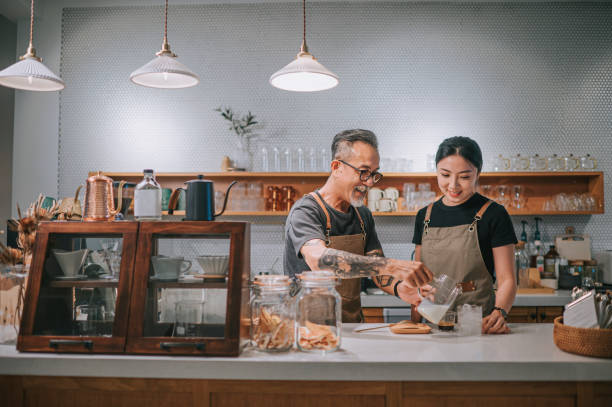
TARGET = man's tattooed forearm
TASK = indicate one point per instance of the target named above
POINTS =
(348, 265)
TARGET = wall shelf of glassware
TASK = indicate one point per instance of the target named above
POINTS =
(522, 192)
(77, 297)
(190, 289)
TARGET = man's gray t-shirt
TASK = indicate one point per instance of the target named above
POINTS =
(307, 221)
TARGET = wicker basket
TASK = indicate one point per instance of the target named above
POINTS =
(583, 341)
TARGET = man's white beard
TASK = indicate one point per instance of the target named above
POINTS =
(357, 202)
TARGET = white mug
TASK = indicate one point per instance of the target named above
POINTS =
(374, 194)
(392, 193)
(386, 205)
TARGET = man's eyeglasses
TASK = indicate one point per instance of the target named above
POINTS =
(365, 175)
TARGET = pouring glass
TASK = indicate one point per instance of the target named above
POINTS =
(435, 302)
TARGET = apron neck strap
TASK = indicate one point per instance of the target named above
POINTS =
(319, 200)
(479, 214)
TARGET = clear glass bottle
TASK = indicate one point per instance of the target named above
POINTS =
(318, 312)
(539, 258)
(522, 265)
(147, 198)
(272, 314)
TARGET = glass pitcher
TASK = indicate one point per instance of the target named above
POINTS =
(439, 299)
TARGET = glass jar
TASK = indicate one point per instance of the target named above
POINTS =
(272, 314)
(318, 312)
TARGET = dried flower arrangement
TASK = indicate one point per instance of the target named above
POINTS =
(26, 227)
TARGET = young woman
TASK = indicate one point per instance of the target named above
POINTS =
(467, 236)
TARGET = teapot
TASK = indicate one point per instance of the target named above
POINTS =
(99, 203)
(200, 199)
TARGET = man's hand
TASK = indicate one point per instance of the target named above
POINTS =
(412, 273)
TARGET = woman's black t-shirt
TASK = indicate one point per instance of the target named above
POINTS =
(495, 229)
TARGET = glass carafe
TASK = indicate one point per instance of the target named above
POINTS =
(436, 301)
(318, 312)
(272, 314)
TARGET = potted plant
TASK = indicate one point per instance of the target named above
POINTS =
(243, 128)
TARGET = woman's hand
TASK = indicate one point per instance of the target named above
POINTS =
(408, 294)
(494, 323)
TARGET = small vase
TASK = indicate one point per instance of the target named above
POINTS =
(243, 157)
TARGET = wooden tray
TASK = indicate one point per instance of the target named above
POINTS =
(540, 290)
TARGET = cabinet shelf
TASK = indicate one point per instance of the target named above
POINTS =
(84, 284)
(538, 187)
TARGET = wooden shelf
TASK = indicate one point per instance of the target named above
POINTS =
(83, 283)
(538, 186)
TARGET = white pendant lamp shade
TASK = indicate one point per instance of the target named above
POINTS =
(304, 74)
(164, 72)
(30, 74)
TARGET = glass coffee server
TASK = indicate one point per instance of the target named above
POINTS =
(78, 294)
(190, 288)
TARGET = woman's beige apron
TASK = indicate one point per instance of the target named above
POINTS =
(455, 251)
(349, 288)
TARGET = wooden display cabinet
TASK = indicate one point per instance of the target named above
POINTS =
(152, 329)
(538, 187)
(84, 313)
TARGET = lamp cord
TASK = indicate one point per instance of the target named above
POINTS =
(31, 22)
(166, 24)
(304, 13)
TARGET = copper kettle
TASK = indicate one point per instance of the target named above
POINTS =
(99, 199)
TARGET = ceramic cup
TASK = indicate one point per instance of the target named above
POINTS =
(166, 192)
(169, 268)
(71, 262)
(386, 205)
(214, 265)
(392, 193)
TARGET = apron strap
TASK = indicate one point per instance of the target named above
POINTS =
(427, 218)
(479, 214)
(328, 225)
(319, 200)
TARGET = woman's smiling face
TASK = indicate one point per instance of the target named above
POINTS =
(457, 179)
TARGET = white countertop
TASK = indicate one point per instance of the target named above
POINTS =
(558, 299)
(527, 354)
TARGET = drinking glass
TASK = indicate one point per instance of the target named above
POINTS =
(311, 160)
(408, 188)
(485, 190)
(324, 160)
(300, 162)
(538, 163)
(502, 195)
(264, 160)
(571, 163)
(436, 301)
(287, 160)
(501, 163)
(555, 163)
(430, 163)
(520, 163)
(424, 186)
(588, 163)
(518, 197)
(276, 159)
(469, 320)
(90, 318)
(189, 317)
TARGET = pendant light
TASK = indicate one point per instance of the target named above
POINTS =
(30, 73)
(305, 73)
(165, 71)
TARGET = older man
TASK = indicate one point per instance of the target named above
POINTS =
(331, 229)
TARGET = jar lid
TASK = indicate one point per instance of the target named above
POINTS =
(318, 277)
(272, 281)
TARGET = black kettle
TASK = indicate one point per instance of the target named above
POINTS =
(200, 199)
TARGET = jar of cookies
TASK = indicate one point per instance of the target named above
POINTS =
(272, 314)
(318, 312)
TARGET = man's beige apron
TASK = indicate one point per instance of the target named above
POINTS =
(455, 251)
(349, 288)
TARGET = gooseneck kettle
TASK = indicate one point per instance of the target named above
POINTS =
(199, 200)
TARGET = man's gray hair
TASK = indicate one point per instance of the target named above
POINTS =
(342, 145)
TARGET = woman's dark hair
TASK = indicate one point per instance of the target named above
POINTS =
(461, 146)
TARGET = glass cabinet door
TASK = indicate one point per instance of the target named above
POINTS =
(187, 287)
(79, 271)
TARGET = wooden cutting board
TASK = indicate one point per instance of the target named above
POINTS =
(410, 328)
